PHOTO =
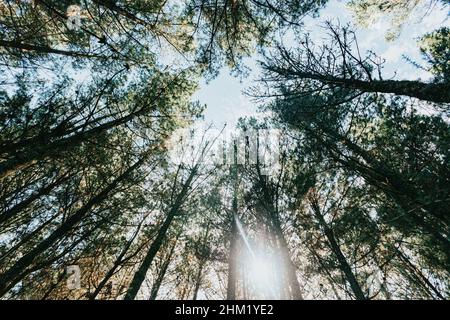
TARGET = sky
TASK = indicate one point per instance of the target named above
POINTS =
(225, 98)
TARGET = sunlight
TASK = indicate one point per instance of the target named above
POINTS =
(260, 270)
(264, 273)
(263, 268)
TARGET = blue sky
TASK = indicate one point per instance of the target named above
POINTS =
(224, 95)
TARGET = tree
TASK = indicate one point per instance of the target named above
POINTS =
(340, 71)
(368, 12)
(435, 48)
(382, 142)
(184, 179)
(19, 269)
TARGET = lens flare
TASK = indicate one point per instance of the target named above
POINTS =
(262, 267)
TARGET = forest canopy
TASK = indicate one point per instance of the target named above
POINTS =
(112, 186)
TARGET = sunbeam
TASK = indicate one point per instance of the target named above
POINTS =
(261, 266)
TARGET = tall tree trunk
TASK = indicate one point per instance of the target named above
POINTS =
(5, 216)
(388, 177)
(116, 264)
(429, 287)
(433, 92)
(232, 265)
(345, 267)
(198, 279)
(291, 269)
(140, 274)
(234, 236)
(44, 49)
(162, 272)
(204, 254)
(275, 227)
(329, 275)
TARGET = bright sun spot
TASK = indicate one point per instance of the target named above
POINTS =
(260, 270)
(263, 269)
(263, 276)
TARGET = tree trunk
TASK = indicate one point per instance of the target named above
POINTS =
(140, 274)
(45, 49)
(433, 92)
(345, 267)
(291, 271)
(5, 216)
(161, 274)
(116, 264)
(390, 182)
(204, 254)
(419, 275)
(232, 265)
(198, 279)
(275, 227)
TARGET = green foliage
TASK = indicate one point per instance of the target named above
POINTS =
(357, 206)
(435, 47)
